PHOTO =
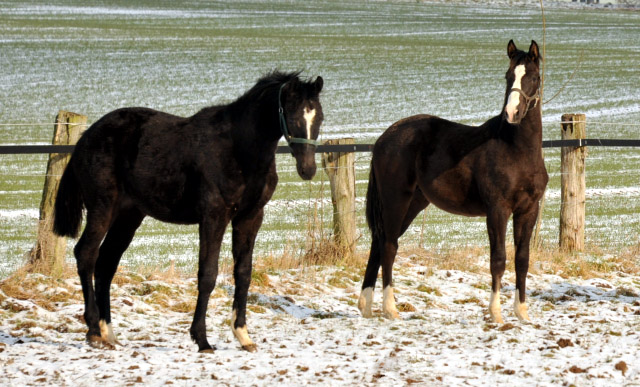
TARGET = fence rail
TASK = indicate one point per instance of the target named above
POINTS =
(46, 149)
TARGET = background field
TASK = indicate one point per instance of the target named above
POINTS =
(380, 61)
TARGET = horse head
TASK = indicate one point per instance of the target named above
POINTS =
(300, 119)
(523, 82)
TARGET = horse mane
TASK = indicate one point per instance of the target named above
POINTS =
(269, 81)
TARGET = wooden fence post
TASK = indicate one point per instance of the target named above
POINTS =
(50, 249)
(340, 167)
(572, 192)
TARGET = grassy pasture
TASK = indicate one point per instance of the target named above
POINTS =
(381, 61)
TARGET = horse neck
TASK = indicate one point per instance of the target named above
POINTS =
(528, 133)
(531, 126)
(257, 130)
(255, 134)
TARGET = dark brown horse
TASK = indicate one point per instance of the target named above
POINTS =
(493, 170)
(210, 169)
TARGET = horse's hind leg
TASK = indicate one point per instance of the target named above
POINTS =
(86, 252)
(383, 252)
(115, 243)
(398, 224)
(418, 203)
(370, 275)
(523, 225)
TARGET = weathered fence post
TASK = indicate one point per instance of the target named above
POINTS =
(572, 192)
(50, 249)
(340, 167)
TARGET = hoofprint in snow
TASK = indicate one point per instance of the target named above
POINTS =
(309, 331)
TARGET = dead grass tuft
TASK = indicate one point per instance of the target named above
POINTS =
(27, 283)
(467, 259)
(326, 252)
(591, 263)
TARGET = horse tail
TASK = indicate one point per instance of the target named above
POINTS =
(374, 205)
(67, 214)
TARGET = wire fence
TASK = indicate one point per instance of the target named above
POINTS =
(301, 211)
(46, 149)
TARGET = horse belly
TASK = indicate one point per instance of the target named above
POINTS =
(174, 200)
(457, 206)
(459, 197)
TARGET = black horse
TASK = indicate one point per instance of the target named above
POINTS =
(493, 170)
(213, 168)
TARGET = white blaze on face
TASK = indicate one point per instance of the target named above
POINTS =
(514, 97)
(309, 116)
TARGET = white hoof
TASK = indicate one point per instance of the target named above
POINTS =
(494, 308)
(521, 309)
(242, 335)
(389, 309)
(106, 332)
(365, 301)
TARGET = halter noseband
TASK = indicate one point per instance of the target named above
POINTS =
(527, 98)
(283, 125)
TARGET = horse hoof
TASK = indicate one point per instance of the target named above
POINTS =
(391, 315)
(521, 310)
(365, 301)
(99, 343)
(206, 348)
(524, 318)
(250, 348)
(497, 319)
(365, 312)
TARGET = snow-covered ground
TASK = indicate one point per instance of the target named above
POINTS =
(309, 332)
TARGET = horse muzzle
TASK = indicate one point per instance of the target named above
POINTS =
(305, 161)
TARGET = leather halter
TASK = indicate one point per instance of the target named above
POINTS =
(283, 125)
(527, 98)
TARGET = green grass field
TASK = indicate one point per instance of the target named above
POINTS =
(381, 61)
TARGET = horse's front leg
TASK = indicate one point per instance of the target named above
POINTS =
(523, 225)
(211, 232)
(497, 228)
(245, 229)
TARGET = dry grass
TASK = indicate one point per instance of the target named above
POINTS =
(464, 259)
(326, 252)
(592, 262)
(27, 283)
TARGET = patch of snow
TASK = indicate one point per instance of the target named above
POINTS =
(309, 332)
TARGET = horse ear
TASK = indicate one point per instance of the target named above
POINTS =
(318, 84)
(511, 49)
(534, 52)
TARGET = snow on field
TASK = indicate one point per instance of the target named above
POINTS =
(309, 332)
